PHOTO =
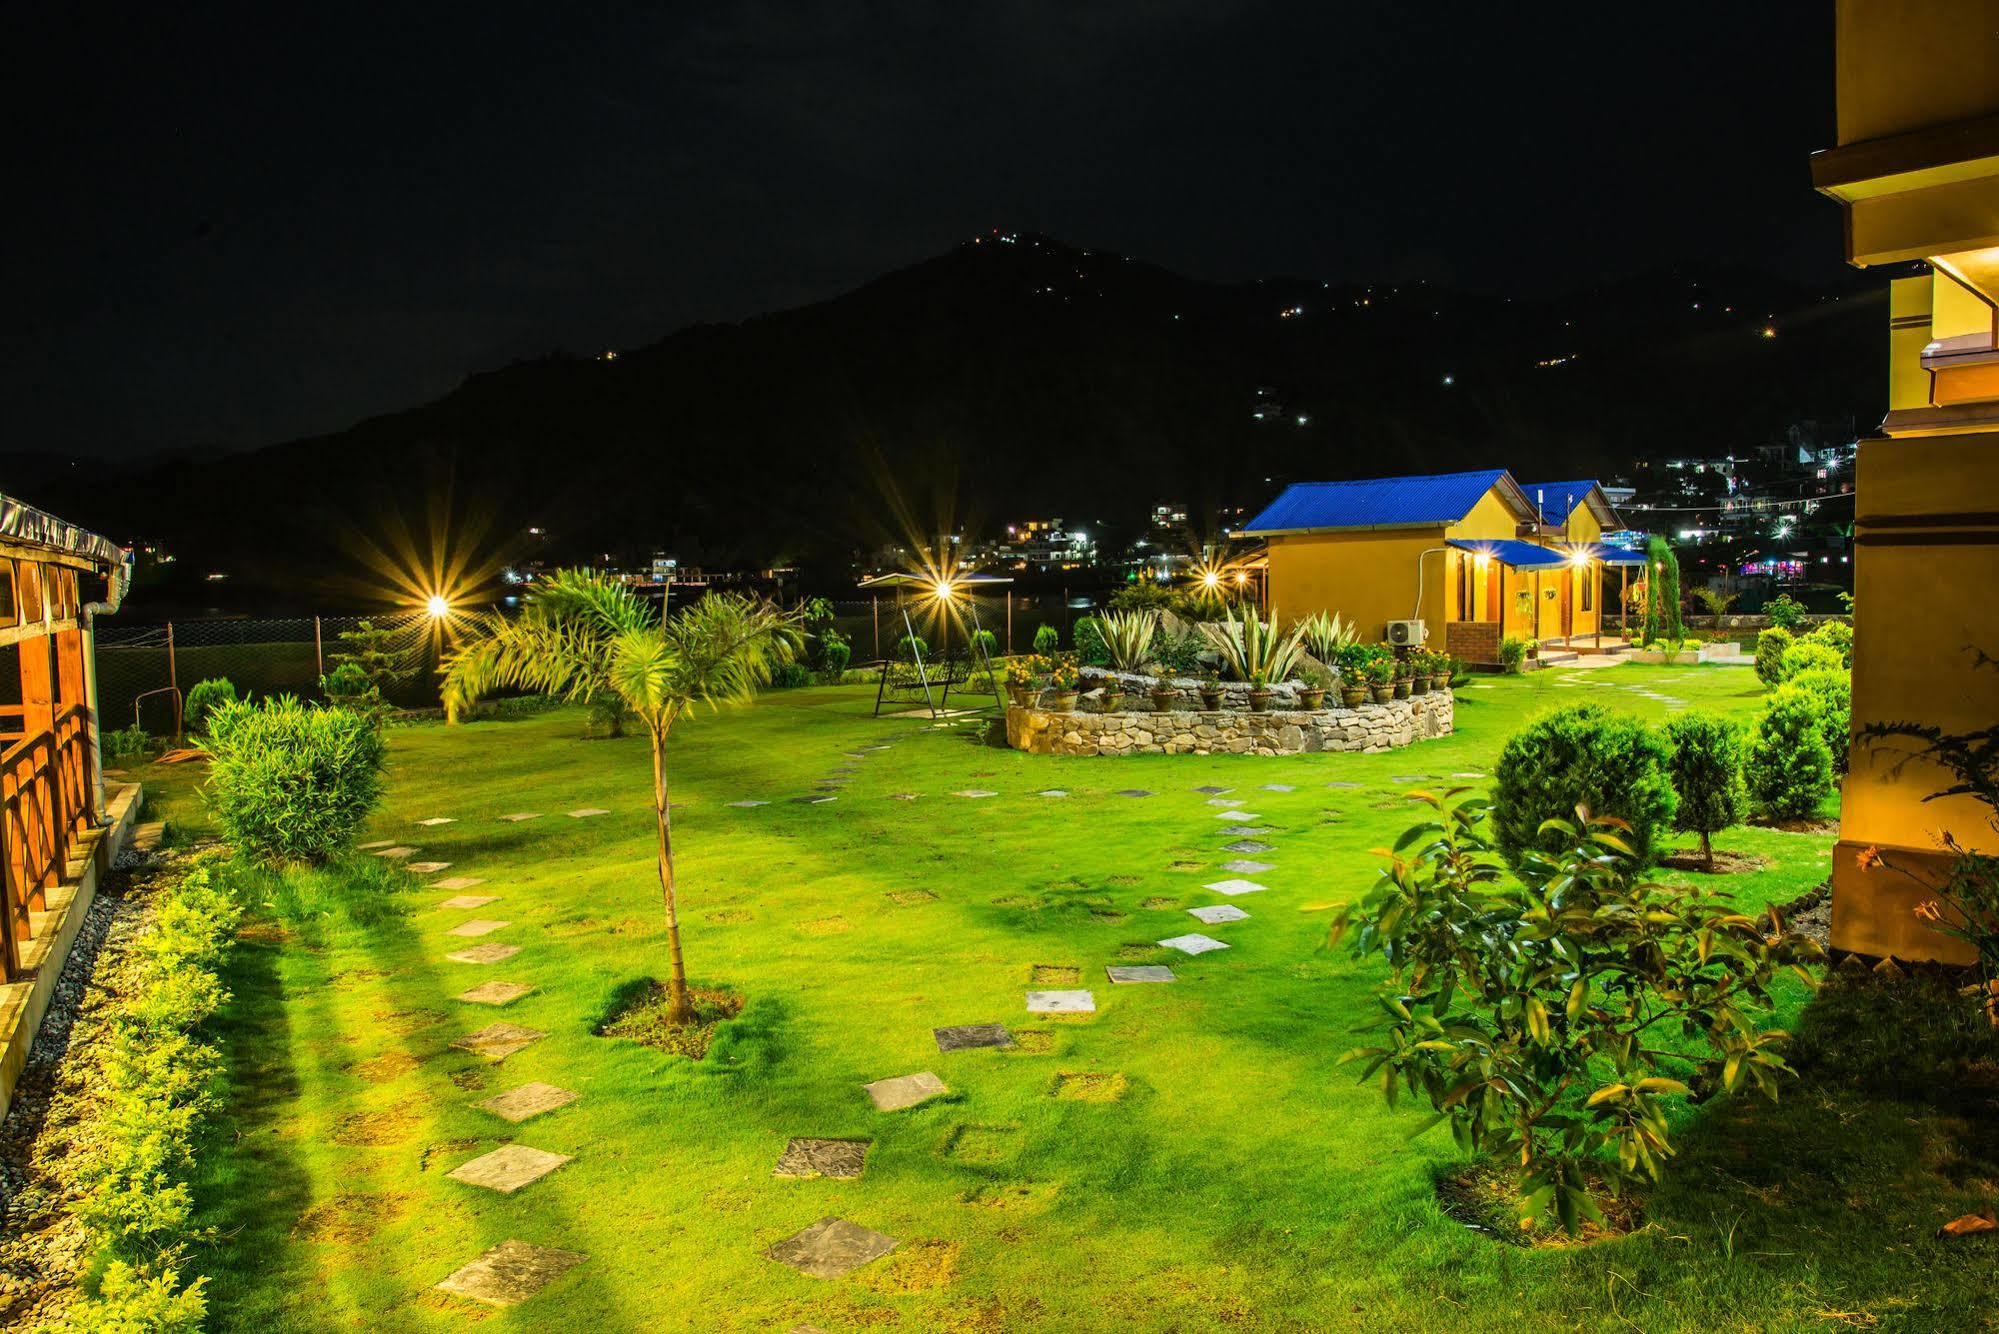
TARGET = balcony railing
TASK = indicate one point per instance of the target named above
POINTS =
(45, 805)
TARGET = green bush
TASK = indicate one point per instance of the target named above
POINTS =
(1582, 755)
(790, 676)
(289, 782)
(834, 654)
(1837, 636)
(1662, 593)
(1831, 693)
(909, 648)
(1808, 656)
(1785, 612)
(347, 682)
(125, 744)
(1091, 651)
(1534, 1017)
(987, 642)
(1513, 653)
(201, 702)
(1771, 646)
(1047, 640)
(1789, 769)
(131, 1302)
(1705, 765)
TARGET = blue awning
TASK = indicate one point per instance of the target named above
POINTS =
(1519, 555)
(1615, 555)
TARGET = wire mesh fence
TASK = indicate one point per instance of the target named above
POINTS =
(141, 666)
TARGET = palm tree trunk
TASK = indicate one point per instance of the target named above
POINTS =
(679, 1005)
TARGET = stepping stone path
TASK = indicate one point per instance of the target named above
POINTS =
(1227, 803)
(1123, 972)
(456, 882)
(496, 1042)
(1060, 1002)
(905, 796)
(438, 820)
(746, 805)
(378, 843)
(904, 1091)
(1251, 829)
(1194, 943)
(426, 868)
(1234, 887)
(831, 1248)
(967, 1036)
(510, 1273)
(396, 853)
(585, 812)
(1237, 815)
(1245, 845)
(812, 801)
(508, 1168)
(494, 993)
(469, 901)
(1217, 914)
(478, 926)
(519, 816)
(490, 953)
(1213, 791)
(1133, 792)
(527, 1101)
(1345, 787)
(1279, 787)
(1241, 866)
(1053, 792)
(975, 793)
(840, 1159)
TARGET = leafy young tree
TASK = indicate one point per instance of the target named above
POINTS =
(581, 635)
(1706, 768)
(1047, 640)
(1662, 593)
(1581, 755)
(385, 656)
(1789, 769)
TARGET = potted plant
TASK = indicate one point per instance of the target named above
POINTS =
(1352, 658)
(1312, 693)
(1442, 668)
(1020, 680)
(1109, 691)
(1418, 665)
(1211, 692)
(1400, 675)
(1164, 697)
(1259, 694)
(1062, 680)
(1381, 677)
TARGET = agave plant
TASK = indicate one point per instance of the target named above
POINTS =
(1128, 636)
(1327, 635)
(1254, 649)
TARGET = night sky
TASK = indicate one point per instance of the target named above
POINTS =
(230, 228)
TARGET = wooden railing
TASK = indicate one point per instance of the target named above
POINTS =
(45, 804)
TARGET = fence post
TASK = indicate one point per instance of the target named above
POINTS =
(875, 615)
(318, 648)
(173, 679)
(1009, 622)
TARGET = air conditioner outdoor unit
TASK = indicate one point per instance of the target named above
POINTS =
(1405, 634)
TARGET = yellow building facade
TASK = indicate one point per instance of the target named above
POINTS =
(1916, 172)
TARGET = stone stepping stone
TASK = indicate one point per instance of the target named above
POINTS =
(488, 953)
(1468, 773)
(831, 1248)
(496, 1042)
(1214, 791)
(1227, 803)
(1053, 792)
(378, 843)
(1279, 787)
(519, 816)
(438, 820)
(1133, 792)
(1243, 866)
(478, 926)
(1237, 815)
(425, 868)
(1248, 845)
(905, 796)
(457, 882)
(495, 993)
(854, 754)
(1061, 1002)
(1251, 829)
(1216, 914)
(747, 805)
(1234, 887)
(396, 853)
(510, 1273)
(812, 801)
(975, 793)
(839, 1159)
(1345, 787)
(904, 1091)
(469, 901)
(508, 1168)
(967, 1036)
(1193, 943)
(1410, 778)
(527, 1101)
(1150, 972)
(585, 812)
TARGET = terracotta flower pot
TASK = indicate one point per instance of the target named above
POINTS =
(1017, 692)
(1211, 700)
(1312, 699)
(1400, 690)
(1382, 694)
(1353, 696)
(1165, 700)
(1259, 700)
(1440, 682)
(1419, 685)
(1062, 701)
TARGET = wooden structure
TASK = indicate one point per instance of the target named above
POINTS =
(933, 677)
(53, 578)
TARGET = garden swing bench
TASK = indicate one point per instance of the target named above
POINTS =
(922, 677)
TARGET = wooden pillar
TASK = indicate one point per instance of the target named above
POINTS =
(39, 819)
(1009, 622)
(875, 615)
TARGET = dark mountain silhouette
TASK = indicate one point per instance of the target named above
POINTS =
(1009, 378)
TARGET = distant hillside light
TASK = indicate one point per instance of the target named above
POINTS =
(1449, 379)
(1769, 331)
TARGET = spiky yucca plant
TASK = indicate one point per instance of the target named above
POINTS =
(1326, 635)
(581, 636)
(1255, 650)
(1128, 637)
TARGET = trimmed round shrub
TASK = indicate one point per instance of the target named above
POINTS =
(1047, 640)
(202, 701)
(1837, 636)
(1807, 656)
(790, 676)
(1091, 651)
(1831, 693)
(347, 681)
(1581, 755)
(288, 782)
(834, 654)
(1789, 769)
(1771, 646)
(911, 647)
(1706, 768)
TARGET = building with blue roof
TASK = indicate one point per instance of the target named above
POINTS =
(1459, 561)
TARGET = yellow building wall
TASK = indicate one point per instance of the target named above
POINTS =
(1904, 66)
(1370, 579)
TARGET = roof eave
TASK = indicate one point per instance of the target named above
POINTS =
(1346, 528)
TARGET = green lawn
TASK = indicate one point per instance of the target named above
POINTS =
(1242, 1181)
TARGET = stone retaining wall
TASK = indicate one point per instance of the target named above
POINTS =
(1371, 727)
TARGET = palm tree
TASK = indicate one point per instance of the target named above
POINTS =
(581, 636)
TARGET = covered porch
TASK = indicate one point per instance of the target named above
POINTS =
(1511, 589)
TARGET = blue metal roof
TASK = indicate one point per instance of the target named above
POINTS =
(1610, 555)
(1557, 500)
(1383, 502)
(1519, 555)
